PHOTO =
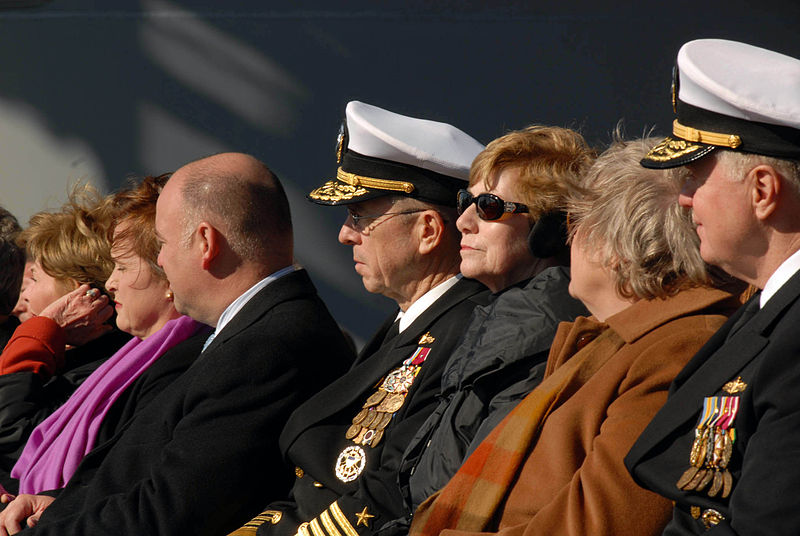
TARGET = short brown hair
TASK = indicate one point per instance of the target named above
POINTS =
(71, 244)
(631, 217)
(136, 206)
(548, 158)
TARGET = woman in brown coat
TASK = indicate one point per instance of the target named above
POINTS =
(555, 464)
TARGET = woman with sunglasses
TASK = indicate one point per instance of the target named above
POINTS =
(554, 465)
(517, 189)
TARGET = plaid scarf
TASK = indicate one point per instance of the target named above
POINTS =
(471, 501)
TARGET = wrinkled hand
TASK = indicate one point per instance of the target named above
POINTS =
(27, 508)
(82, 314)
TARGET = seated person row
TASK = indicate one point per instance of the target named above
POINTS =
(211, 431)
(164, 344)
(554, 465)
(69, 253)
(317, 434)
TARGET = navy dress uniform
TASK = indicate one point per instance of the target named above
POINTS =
(724, 446)
(346, 442)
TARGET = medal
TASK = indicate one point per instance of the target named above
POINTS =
(713, 446)
(350, 463)
(369, 424)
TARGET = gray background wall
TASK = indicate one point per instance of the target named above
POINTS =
(101, 90)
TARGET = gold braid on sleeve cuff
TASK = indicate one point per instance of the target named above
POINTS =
(331, 522)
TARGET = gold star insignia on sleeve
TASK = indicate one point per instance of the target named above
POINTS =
(363, 517)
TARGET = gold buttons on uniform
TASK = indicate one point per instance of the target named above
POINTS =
(318, 484)
(299, 472)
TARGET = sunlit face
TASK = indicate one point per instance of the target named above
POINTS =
(21, 310)
(139, 296)
(41, 290)
(721, 211)
(496, 252)
(175, 257)
(383, 249)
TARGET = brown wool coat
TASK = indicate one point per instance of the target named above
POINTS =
(554, 466)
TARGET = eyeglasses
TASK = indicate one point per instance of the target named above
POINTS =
(489, 206)
(358, 219)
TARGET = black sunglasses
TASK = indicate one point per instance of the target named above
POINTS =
(489, 206)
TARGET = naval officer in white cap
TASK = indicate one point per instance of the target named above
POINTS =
(398, 178)
(724, 447)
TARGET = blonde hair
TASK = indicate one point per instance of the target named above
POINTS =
(72, 245)
(631, 215)
(548, 159)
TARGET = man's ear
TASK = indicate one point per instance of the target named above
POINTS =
(766, 185)
(209, 241)
(431, 229)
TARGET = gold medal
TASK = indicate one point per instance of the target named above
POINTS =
(375, 398)
(352, 431)
(384, 421)
(360, 416)
(706, 480)
(727, 483)
(687, 477)
(698, 477)
(376, 438)
(716, 487)
(350, 463)
(391, 403)
(370, 419)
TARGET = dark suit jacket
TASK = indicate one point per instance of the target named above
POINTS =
(315, 434)
(203, 455)
(765, 354)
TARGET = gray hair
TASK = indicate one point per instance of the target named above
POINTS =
(632, 217)
(738, 164)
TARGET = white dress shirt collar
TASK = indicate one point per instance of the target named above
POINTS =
(232, 310)
(784, 272)
(425, 301)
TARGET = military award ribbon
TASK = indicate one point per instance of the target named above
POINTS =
(368, 425)
(712, 448)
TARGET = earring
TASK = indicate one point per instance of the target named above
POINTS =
(169, 295)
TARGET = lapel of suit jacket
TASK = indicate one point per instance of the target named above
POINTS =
(713, 366)
(377, 340)
(287, 287)
(369, 370)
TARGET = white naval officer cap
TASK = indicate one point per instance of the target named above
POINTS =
(383, 153)
(731, 95)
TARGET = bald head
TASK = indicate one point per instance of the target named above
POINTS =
(241, 197)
